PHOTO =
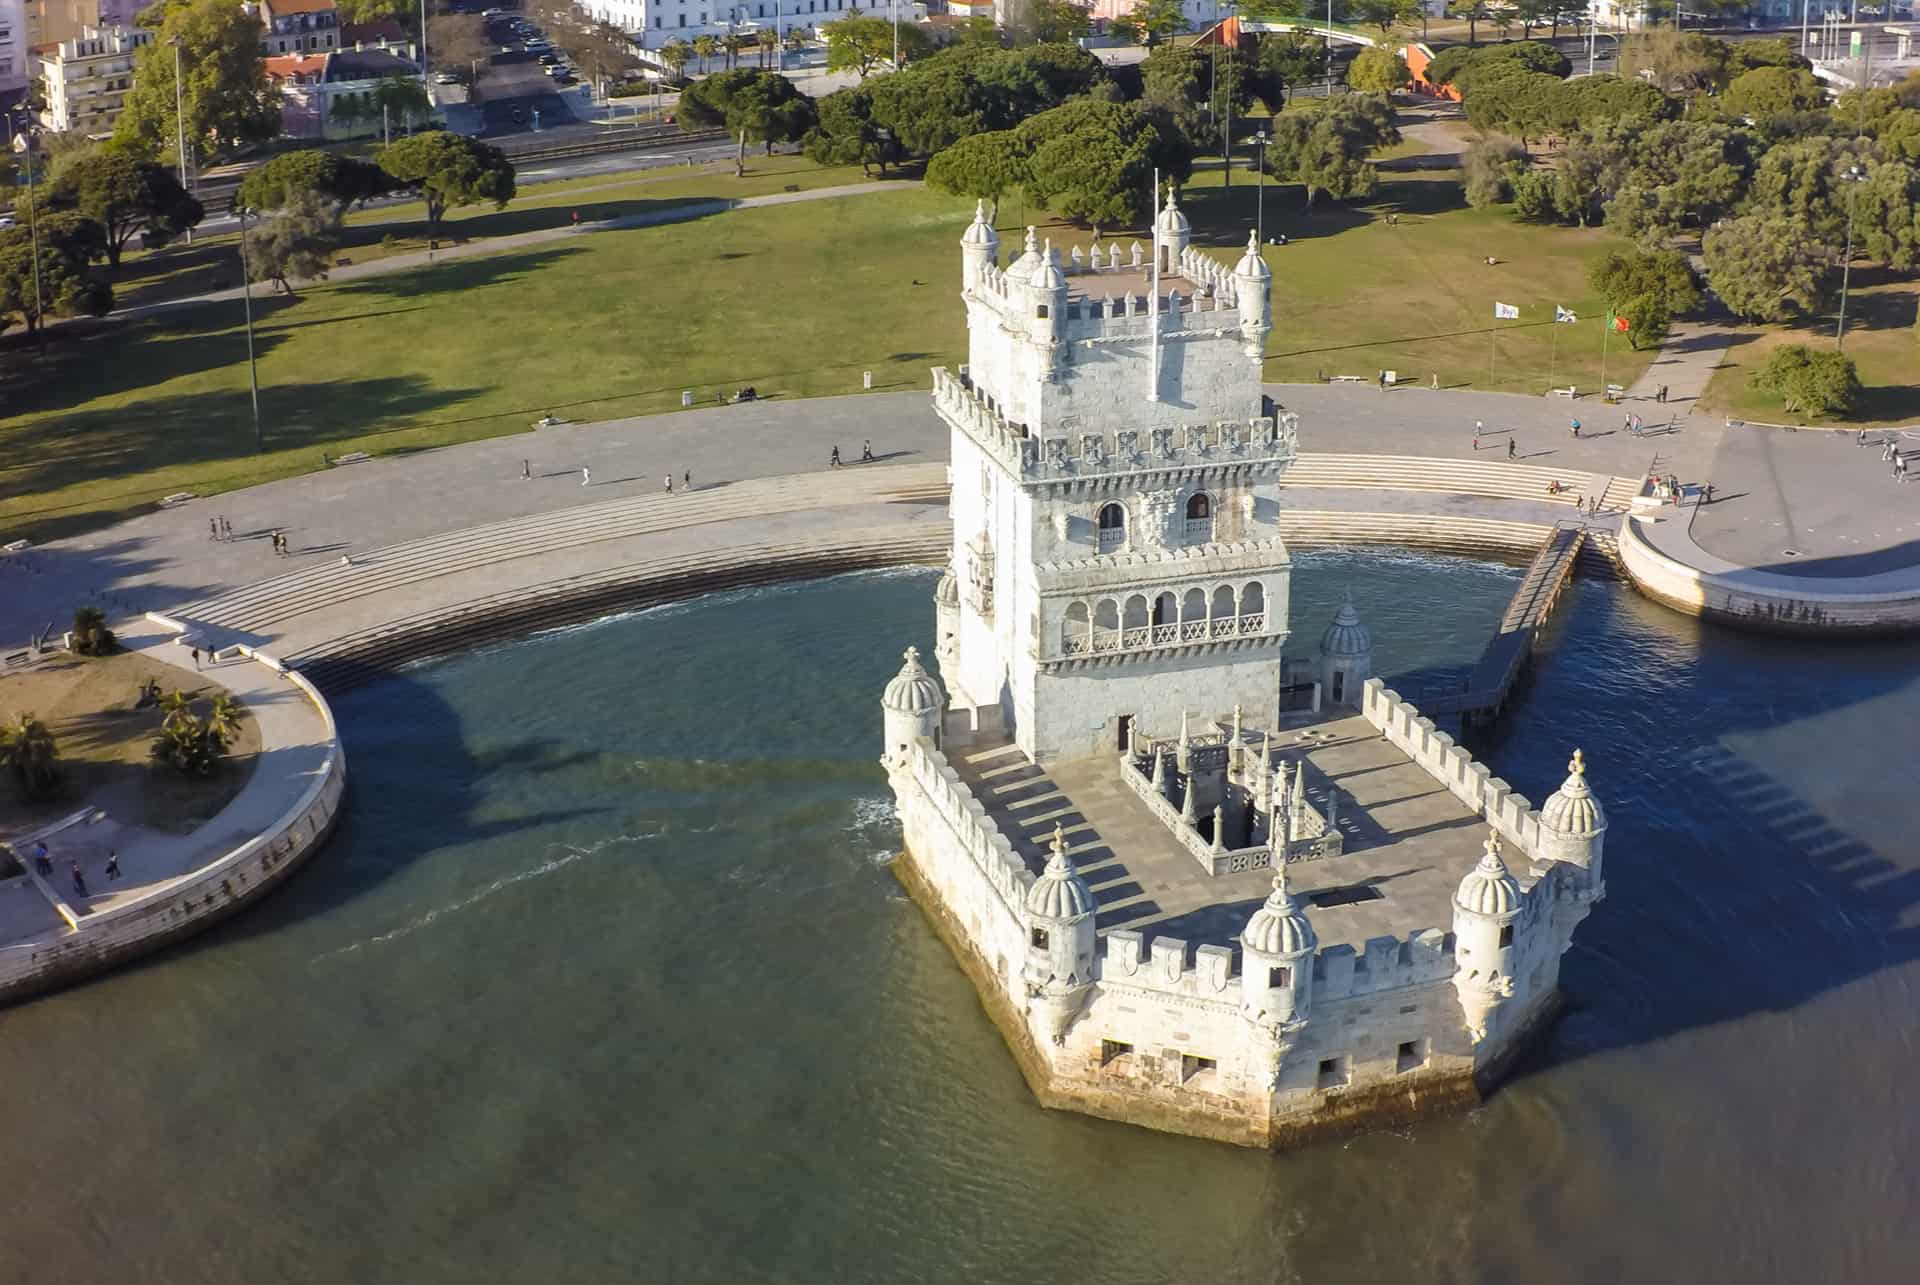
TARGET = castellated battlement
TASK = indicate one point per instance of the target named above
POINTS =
(1078, 456)
(1414, 735)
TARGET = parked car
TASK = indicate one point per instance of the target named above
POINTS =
(445, 78)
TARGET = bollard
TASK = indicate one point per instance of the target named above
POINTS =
(866, 379)
(686, 397)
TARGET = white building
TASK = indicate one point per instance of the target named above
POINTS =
(658, 22)
(14, 42)
(88, 77)
(1118, 714)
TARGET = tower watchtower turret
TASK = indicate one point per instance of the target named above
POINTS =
(1172, 234)
(910, 706)
(1060, 941)
(1486, 909)
(979, 248)
(1573, 826)
(1252, 281)
(1346, 657)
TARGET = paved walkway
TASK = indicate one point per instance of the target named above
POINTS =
(681, 213)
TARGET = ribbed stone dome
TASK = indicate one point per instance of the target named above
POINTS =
(1059, 892)
(980, 231)
(1346, 636)
(946, 591)
(1251, 264)
(1048, 275)
(913, 690)
(1280, 926)
(1024, 267)
(1572, 809)
(1489, 888)
(1171, 219)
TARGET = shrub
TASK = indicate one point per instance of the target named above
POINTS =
(1534, 198)
(1812, 383)
(194, 745)
(27, 750)
(91, 637)
(1492, 166)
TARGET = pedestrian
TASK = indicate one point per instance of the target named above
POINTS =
(866, 450)
(113, 865)
(226, 528)
(41, 861)
(1706, 493)
(1663, 394)
(586, 476)
(1574, 427)
(79, 880)
(1860, 438)
(576, 218)
(1436, 381)
(669, 484)
(686, 480)
(526, 470)
(213, 529)
(1478, 427)
(1383, 381)
(1512, 450)
(1886, 451)
(833, 460)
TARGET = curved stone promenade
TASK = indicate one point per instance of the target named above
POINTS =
(404, 556)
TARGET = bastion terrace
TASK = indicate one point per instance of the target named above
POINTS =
(1407, 838)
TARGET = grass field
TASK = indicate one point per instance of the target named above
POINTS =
(1881, 339)
(797, 300)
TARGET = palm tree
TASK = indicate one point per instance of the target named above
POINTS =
(768, 41)
(675, 53)
(706, 47)
(174, 709)
(27, 749)
(224, 717)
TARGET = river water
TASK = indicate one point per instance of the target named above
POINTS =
(604, 978)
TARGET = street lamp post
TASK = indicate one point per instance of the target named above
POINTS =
(1260, 141)
(246, 293)
(33, 229)
(180, 123)
(1854, 178)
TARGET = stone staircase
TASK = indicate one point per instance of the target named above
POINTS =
(1493, 477)
(255, 608)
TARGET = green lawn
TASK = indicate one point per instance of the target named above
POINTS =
(797, 300)
(1880, 338)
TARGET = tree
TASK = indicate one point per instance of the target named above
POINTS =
(449, 170)
(1525, 104)
(1324, 147)
(1282, 61)
(705, 47)
(1378, 71)
(1812, 383)
(1533, 197)
(1160, 19)
(124, 196)
(1768, 91)
(191, 744)
(1475, 13)
(91, 637)
(1045, 21)
(1802, 181)
(296, 243)
(1528, 55)
(1680, 175)
(348, 110)
(1093, 162)
(1448, 63)
(762, 106)
(1491, 166)
(847, 135)
(457, 44)
(933, 106)
(1588, 174)
(986, 166)
(226, 99)
(676, 54)
(400, 98)
(1384, 14)
(1601, 100)
(340, 179)
(864, 43)
(28, 751)
(65, 287)
(1680, 62)
(1647, 287)
(1765, 268)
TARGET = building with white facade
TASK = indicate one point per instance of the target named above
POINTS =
(658, 22)
(14, 43)
(87, 79)
(1204, 881)
(298, 26)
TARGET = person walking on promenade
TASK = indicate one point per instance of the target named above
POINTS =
(1706, 493)
(41, 861)
(833, 460)
(113, 865)
(79, 880)
(866, 451)
(1478, 428)
(586, 476)
(686, 480)
(526, 470)
(1663, 395)
(1573, 426)
(213, 529)
(1512, 449)
(669, 484)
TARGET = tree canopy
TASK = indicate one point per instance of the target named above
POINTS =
(1093, 161)
(1323, 145)
(752, 105)
(124, 196)
(1378, 71)
(860, 44)
(225, 96)
(1814, 383)
(340, 179)
(449, 170)
(1764, 268)
(66, 287)
(296, 243)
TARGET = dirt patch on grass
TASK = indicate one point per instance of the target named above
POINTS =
(105, 744)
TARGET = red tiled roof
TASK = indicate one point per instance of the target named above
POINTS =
(285, 65)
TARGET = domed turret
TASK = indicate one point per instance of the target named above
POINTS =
(1060, 939)
(946, 629)
(1277, 946)
(1047, 284)
(910, 706)
(1346, 656)
(1172, 234)
(1023, 268)
(1485, 910)
(979, 246)
(1573, 825)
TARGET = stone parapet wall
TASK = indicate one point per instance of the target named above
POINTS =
(196, 900)
(1467, 780)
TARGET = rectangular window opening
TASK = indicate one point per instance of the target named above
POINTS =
(1410, 1056)
(1278, 977)
(1040, 938)
(1506, 935)
(1113, 1050)
(1334, 1073)
(1191, 1066)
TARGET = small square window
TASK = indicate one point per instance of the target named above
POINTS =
(1334, 1073)
(1113, 1050)
(1506, 935)
(1191, 1066)
(1410, 1056)
(1278, 977)
(1040, 938)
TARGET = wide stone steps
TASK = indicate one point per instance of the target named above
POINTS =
(1309, 528)
(1494, 478)
(354, 658)
(255, 607)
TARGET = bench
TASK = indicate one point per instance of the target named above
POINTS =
(1570, 391)
(352, 457)
(1350, 379)
(177, 498)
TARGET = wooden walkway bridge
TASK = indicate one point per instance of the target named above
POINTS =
(1485, 693)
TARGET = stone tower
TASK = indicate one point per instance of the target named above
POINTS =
(1059, 969)
(1276, 974)
(910, 707)
(1486, 927)
(1116, 469)
(1346, 657)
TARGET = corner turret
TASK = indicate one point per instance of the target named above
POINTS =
(1253, 288)
(910, 707)
(979, 248)
(1346, 657)
(1060, 942)
(1276, 973)
(1573, 826)
(1172, 234)
(1486, 911)
(946, 626)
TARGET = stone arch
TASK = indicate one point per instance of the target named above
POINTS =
(1253, 598)
(1223, 603)
(1106, 625)
(1166, 608)
(1194, 606)
(1135, 616)
(1199, 520)
(1075, 627)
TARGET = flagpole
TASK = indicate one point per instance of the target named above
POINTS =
(1605, 335)
(1490, 336)
(1553, 353)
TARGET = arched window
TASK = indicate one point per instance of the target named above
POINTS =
(1223, 608)
(1075, 630)
(1166, 612)
(1193, 615)
(1199, 518)
(1106, 625)
(1253, 598)
(1113, 527)
(1136, 613)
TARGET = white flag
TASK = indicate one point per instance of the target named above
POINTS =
(1505, 312)
(1563, 314)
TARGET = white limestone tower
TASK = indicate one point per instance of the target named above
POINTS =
(1172, 235)
(1486, 913)
(910, 707)
(1573, 827)
(1276, 975)
(1253, 282)
(1346, 657)
(1060, 943)
(946, 626)
(979, 248)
